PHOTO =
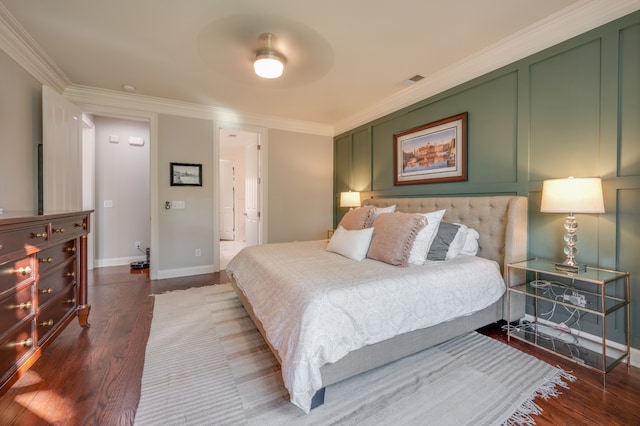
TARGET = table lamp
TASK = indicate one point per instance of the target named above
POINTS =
(350, 199)
(572, 195)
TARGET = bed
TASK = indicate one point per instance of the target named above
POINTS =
(289, 302)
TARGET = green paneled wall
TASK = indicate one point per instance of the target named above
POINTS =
(629, 101)
(573, 109)
(564, 92)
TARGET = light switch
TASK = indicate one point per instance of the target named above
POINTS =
(108, 203)
(177, 204)
(114, 139)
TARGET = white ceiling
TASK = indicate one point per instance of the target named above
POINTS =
(346, 59)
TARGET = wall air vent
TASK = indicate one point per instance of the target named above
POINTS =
(416, 78)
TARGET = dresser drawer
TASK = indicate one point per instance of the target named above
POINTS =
(58, 308)
(55, 281)
(63, 229)
(22, 241)
(55, 255)
(16, 307)
(13, 274)
(14, 347)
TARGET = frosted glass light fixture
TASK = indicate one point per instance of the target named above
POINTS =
(572, 195)
(350, 199)
(268, 63)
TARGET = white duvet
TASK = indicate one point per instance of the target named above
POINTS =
(317, 306)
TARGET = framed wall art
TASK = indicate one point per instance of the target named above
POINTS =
(183, 174)
(431, 153)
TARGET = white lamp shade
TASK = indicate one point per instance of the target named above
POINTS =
(350, 199)
(572, 195)
(268, 66)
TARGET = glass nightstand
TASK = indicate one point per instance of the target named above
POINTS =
(560, 303)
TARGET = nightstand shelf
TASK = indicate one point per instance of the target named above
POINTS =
(560, 302)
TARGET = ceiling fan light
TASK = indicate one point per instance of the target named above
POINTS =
(268, 64)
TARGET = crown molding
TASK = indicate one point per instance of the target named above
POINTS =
(561, 26)
(23, 49)
(84, 95)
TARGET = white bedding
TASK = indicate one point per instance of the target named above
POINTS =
(317, 306)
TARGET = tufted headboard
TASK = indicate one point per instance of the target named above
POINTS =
(501, 221)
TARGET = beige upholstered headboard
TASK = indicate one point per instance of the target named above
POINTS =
(501, 221)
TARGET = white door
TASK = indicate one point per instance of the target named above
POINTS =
(62, 152)
(252, 201)
(227, 205)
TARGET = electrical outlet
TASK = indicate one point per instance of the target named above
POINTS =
(198, 253)
(137, 244)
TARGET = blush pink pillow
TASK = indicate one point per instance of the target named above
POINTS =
(393, 236)
(359, 218)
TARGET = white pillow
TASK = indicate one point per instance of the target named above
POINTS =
(425, 237)
(352, 244)
(381, 210)
(471, 242)
(456, 246)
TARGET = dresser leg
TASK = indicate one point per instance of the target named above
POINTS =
(83, 315)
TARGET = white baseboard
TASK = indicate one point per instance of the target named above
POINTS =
(117, 261)
(167, 273)
(185, 272)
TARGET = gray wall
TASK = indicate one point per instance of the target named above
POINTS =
(182, 231)
(571, 110)
(299, 186)
(122, 177)
(20, 134)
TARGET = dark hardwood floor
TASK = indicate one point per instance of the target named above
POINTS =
(92, 376)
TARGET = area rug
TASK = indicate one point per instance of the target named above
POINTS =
(206, 364)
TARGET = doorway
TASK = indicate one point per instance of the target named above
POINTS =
(240, 193)
(121, 189)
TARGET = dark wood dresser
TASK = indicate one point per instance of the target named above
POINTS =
(43, 284)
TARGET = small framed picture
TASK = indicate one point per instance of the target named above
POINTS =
(183, 174)
(434, 152)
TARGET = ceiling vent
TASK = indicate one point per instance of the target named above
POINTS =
(411, 80)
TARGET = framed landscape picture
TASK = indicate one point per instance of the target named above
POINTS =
(434, 152)
(183, 174)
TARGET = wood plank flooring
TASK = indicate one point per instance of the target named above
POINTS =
(92, 376)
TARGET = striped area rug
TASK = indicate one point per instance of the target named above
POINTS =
(206, 364)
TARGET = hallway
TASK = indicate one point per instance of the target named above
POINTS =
(228, 249)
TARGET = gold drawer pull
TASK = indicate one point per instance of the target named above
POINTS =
(81, 225)
(46, 260)
(25, 305)
(46, 323)
(25, 271)
(46, 291)
(73, 249)
(72, 301)
(43, 235)
(70, 274)
(27, 343)
(0, 246)
(58, 231)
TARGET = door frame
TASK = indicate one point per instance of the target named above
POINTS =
(152, 118)
(262, 185)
